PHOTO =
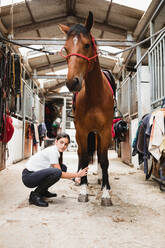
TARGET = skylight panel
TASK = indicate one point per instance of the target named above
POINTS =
(110, 50)
(9, 2)
(140, 4)
(26, 51)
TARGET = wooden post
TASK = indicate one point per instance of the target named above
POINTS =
(138, 56)
(2, 156)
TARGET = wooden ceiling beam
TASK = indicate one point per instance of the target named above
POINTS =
(46, 67)
(37, 30)
(61, 42)
(3, 29)
(70, 7)
(106, 18)
(49, 76)
(38, 25)
(71, 20)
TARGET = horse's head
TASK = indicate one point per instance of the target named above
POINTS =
(79, 51)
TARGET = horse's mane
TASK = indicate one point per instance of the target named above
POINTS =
(111, 79)
(77, 29)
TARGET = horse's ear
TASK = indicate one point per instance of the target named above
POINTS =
(89, 21)
(63, 28)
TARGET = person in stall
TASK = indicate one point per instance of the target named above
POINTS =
(45, 168)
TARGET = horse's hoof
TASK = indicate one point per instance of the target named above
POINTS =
(77, 184)
(106, 202)
(99, 181)
(83, 198)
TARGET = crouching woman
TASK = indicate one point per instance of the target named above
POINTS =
(45, 168)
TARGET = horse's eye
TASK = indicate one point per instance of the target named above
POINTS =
(65, 50)
(87, 46)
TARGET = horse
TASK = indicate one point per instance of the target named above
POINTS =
(94, 107)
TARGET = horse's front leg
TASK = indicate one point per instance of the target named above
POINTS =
(104, 163)
(83, 162)
(104, 142)
(105, 199)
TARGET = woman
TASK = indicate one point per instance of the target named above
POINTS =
(45, 168)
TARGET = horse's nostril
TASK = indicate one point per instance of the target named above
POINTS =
(74, 84)
(75, 81)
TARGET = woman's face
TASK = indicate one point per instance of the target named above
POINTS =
(62, 144)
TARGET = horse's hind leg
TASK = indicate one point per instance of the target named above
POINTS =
(99, 172)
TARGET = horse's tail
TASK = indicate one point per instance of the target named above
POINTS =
(91, 145)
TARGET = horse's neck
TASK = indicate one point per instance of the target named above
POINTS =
(94, 81)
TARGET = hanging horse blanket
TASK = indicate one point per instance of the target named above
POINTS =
(8, 129)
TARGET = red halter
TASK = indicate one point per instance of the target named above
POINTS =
(81, 55)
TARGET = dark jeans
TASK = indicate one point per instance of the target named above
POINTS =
(32, 179)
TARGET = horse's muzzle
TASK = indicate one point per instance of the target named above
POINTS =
(74, 84)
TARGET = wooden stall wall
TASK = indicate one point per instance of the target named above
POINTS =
(2, 156)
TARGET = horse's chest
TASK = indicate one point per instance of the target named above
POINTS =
(92, 114)
(85, 111)
(91, 118)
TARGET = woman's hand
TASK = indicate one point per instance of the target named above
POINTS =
(83, 172)
(80, 174)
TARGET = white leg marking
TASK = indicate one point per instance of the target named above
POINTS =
(83, 189)
(105, 193)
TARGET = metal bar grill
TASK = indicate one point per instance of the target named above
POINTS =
(127, 96)
(157, 69)
(28, 98)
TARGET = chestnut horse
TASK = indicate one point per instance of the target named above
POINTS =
(94, 106)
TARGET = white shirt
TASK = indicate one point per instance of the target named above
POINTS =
(43, 159)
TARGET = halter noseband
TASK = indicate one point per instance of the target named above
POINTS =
(81, 55)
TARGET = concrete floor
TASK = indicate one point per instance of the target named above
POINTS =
(136, 218)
